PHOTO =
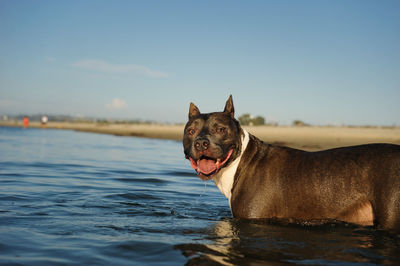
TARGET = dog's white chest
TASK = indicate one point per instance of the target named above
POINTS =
(224, 179)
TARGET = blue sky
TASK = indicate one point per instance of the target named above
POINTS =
(323, 62)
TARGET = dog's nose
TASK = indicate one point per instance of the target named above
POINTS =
(201, 144)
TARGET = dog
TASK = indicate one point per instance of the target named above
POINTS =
(356, 184)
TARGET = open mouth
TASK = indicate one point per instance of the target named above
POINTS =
(206, 167)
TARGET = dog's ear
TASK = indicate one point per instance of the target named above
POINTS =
(229, 107)
(193, 110)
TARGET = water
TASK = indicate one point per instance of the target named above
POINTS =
(69, 198)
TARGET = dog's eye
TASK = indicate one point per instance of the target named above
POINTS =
(221, 130)
(191, 131)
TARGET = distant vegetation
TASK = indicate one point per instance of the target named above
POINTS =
(299, 123)
(249, 120)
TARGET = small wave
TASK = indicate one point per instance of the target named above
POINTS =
(11, 175)
(143, 180)
(55, 165)
(135, 196)
(179, 173)
(127, 172)
(151, 252)
(13, 198)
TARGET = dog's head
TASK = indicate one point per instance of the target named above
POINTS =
(211, 141)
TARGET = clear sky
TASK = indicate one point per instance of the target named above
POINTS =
(323, 62)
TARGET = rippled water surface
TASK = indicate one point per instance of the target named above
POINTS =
(77, 198)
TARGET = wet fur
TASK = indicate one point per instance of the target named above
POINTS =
(358, 184)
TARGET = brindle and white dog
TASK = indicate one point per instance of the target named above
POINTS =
(358, 184)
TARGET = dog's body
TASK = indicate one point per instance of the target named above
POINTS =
(358, 184)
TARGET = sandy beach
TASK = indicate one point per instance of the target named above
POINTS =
(307, 138)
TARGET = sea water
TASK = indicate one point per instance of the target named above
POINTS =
(73, 198)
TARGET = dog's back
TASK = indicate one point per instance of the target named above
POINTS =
(348, 184)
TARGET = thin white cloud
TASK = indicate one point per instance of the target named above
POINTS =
(116, 104)
(105, 67)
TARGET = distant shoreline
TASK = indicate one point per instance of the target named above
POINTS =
(307, 138)
(157, 131)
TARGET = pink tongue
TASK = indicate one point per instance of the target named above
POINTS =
(206, 166)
